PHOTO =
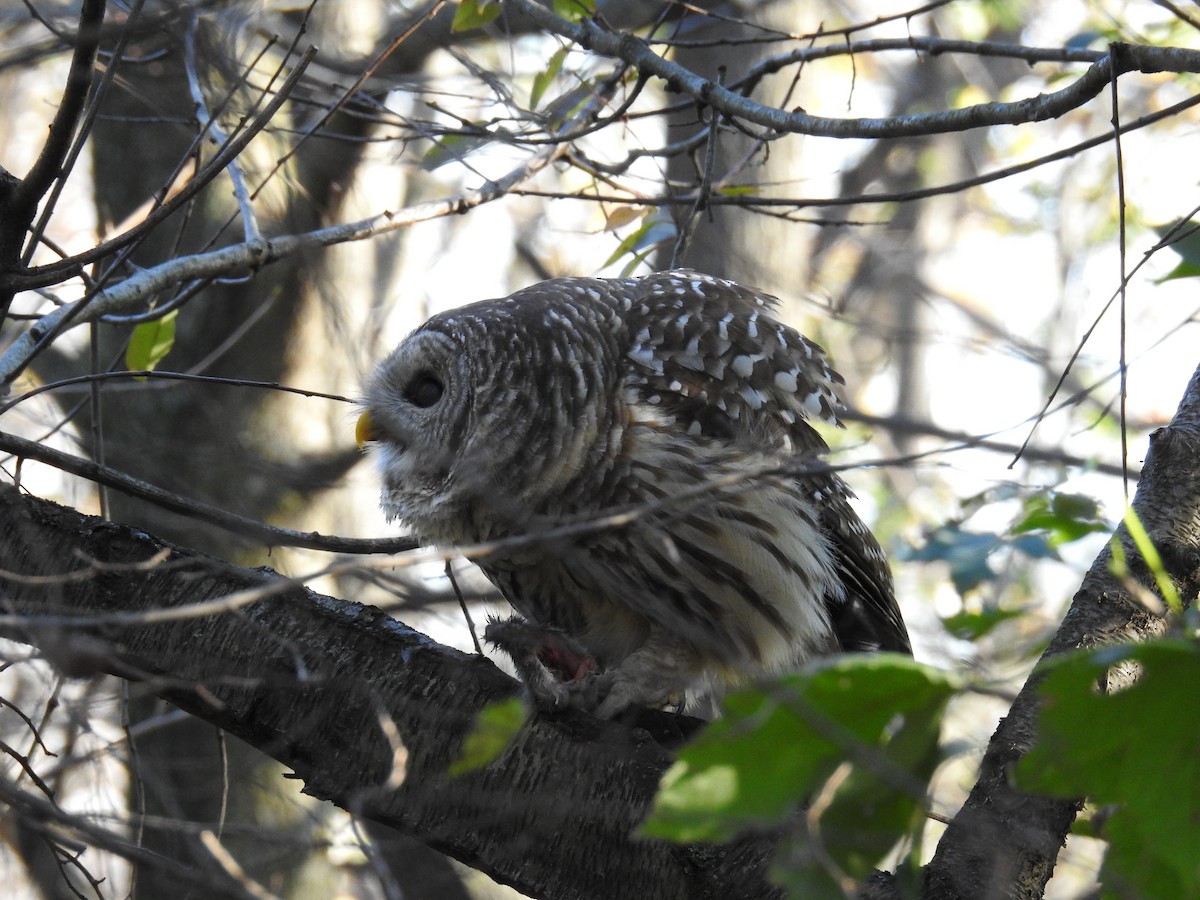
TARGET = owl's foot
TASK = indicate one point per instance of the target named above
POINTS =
(555, 669)
(560, 674)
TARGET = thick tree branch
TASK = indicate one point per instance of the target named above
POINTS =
(1121, 58)
(366, 711)
(1004, 843)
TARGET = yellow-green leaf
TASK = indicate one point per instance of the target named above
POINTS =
(495, 728)
(622, 216)
(545, 78)
(151, 341)
(653, 231)
(738, 190)
(574, 10)
(452, 148)
(474, 14)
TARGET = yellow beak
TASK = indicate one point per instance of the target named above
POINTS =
(364, 430)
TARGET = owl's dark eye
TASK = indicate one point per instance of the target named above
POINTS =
(424, 390)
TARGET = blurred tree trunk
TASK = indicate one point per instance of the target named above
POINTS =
(226, 446)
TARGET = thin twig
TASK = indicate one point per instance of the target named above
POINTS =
(269, 535)
(83, 131)
(952, 187)
(143, 375)
(37, 338)
(52, 273)
(462, 604)
(250, 229)
(1123, 279)
(22, 202)
(362, 79)
(1172, 235)
(704, 190)
(253, 255)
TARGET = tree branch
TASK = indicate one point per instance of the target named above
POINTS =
(252, 529)
(19, 204)
(1004, 842)
(1121, 58)
(366, 711)
(248, 255)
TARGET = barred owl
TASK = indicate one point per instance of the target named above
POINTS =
(676, 408)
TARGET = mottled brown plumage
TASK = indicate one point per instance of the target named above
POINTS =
(677, 397)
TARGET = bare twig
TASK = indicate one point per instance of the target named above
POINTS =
(269, 535)
(704, 189)
(1173, 234)
(250, 228)
(252, 255)
(40, 276)
(1123, 276)
(937, 190)
(45, 817)
(144, 375)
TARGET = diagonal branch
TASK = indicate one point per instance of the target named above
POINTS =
(1121, 58)
(1003, 842)
(248, 256)
(327, 687)
(253, 254)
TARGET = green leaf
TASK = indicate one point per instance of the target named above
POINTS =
(738, 190)
(495, 727)
(647, 237)
(970, 626)
(1183, 270)
(151, 341)
(574, 10)
(777, 747)
(568, 104)
(1149, 553)
(1135, 749)
(545, 78)
(474, 14)
(1066, 517)
(1187, 245)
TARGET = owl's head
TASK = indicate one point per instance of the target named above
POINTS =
(482, 414)
(418, 404)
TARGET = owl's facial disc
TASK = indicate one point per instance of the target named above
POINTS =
(415, 401)
(411, 398)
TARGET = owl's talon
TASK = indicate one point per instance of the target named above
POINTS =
(558, 672)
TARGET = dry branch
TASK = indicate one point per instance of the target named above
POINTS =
(309, 679)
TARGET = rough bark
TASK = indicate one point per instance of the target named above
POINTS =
(365, 710)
